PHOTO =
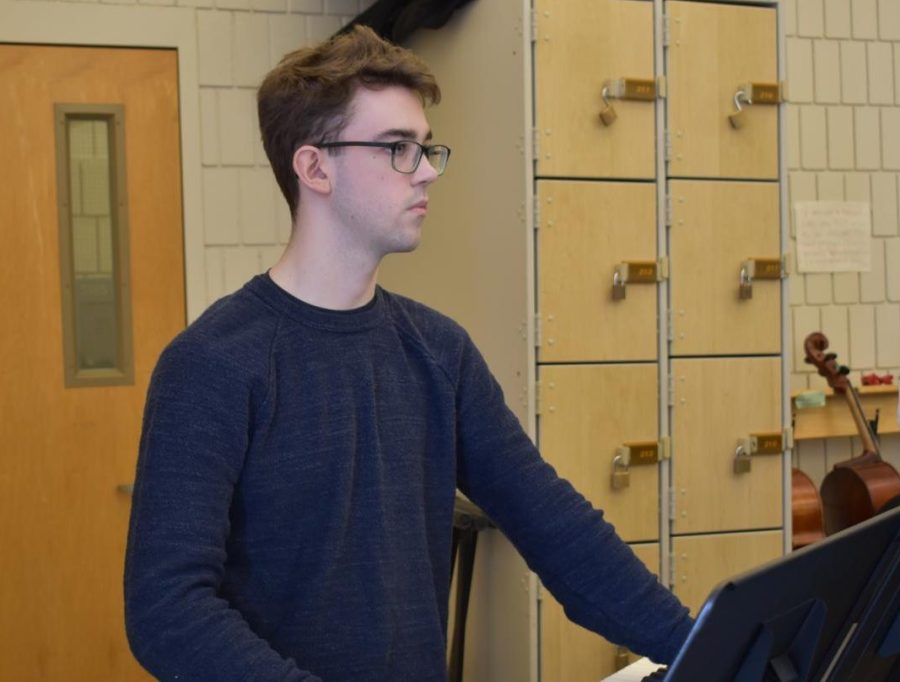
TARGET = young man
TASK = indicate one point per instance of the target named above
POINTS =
(303, 440)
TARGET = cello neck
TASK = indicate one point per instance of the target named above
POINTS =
(870, 445)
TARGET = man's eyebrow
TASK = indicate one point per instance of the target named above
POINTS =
(401, 134)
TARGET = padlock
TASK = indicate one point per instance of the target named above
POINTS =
(621, 476)
(608, 115)
(745, 288)
(742, 460)
(620, 279)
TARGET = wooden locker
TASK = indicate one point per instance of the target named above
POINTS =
(723, 236)
(569, 653)
(581, 45)
(714, 51)
(719, 405)
(502, 259)
(701, 562)
(586, 230)
(587, 413)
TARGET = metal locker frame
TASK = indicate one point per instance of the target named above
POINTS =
(480, 269)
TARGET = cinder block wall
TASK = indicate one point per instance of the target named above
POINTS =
(843, 143)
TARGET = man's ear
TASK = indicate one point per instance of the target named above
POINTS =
(312, 169)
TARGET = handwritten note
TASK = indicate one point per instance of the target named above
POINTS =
(833, 236)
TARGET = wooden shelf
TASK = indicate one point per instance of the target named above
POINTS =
(834, 420)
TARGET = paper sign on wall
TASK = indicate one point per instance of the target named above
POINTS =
(833, 236)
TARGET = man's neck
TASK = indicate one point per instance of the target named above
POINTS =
(323, 273)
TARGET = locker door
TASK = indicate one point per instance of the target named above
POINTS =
(714, 50)
(720, 229)
(587, 412)
(701, 562)
(582, 44)
(586, 230)
(569, 653)
(720, 404)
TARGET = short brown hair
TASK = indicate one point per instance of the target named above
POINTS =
(304, 99)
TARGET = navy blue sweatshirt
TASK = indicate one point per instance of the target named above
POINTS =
(293, 501)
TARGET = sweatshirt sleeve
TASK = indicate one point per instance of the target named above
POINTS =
(579, 557)
(195, 434)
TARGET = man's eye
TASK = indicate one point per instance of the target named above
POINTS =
(402, 148)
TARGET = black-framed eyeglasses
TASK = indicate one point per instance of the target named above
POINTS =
(405, 154)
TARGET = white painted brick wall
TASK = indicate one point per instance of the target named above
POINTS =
(853, 72)
(881, 73)
(889, 19)
(837, 18)
(237, 126)
(887, 334)
(867, 138)
(813, 137)
(214, 47)
(251, 48)
(864, 19)
(872, 283)
(793, 136)
(827, 65)
(220, 205)
(209, 126)
(818, 288)
(846, 287)
(257, 210)
(835, 327)
(892, 257)
(830, 186)
(890, 124)
(897, 73)
(800, 69)
(884, 204)
(862, 337)
(810, 18)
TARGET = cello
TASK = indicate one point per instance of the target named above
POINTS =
(862, 486)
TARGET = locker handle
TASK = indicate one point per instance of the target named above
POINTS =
(634, 272)
(757, 268)
(633, 89)
(750, 94)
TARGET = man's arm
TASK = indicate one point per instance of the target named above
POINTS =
(196, 431)
(579, 557)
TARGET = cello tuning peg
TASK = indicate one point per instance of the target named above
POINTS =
(843, 369)
(830, 356)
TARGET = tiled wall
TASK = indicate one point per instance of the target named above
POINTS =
(843, 143)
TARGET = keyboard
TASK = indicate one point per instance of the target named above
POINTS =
(642, 670)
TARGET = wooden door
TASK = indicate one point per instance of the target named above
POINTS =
(720, 228)
(701, 562)
(569, 653)
(587, 229)
(718, 404)
(67, 451)
(582, 44)
(587, 413)
(713, 51)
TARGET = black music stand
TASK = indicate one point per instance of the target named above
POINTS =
(829, 612)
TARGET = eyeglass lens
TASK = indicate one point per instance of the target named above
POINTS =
(406, 156)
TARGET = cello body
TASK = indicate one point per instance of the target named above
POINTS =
(807, 521)
(860, 487)
(856, 490)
